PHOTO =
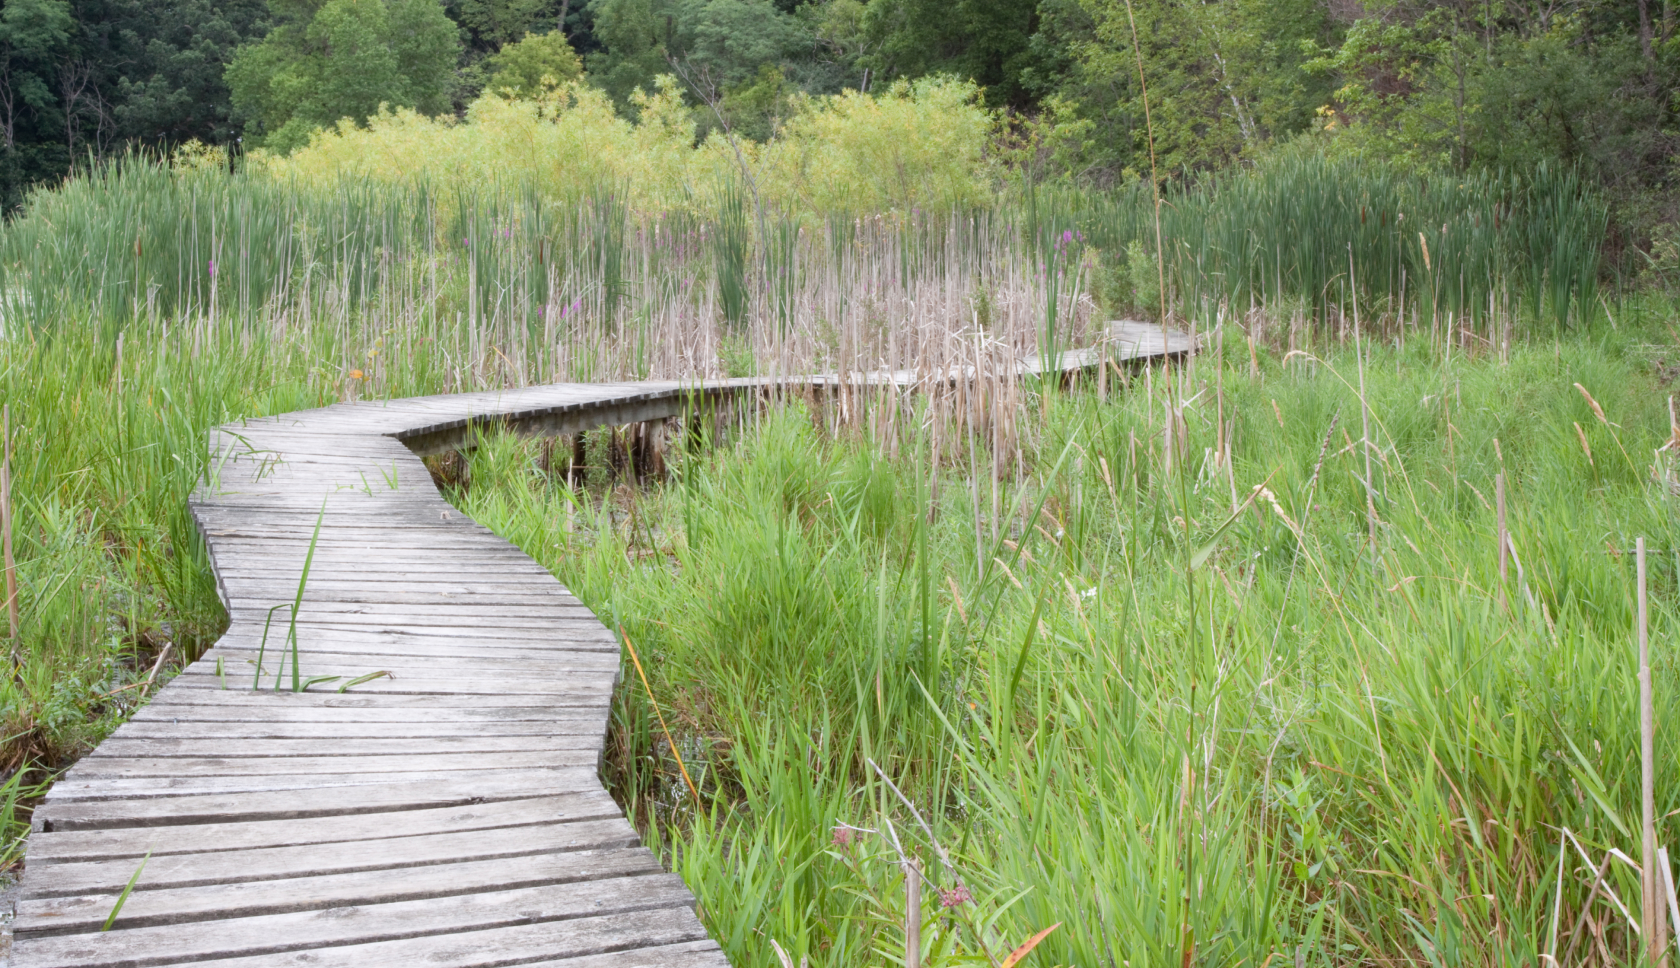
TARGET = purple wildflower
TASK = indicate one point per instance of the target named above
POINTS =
(212, 267)
(955, 896)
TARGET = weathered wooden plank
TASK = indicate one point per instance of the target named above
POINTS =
(349, 762)
(523, 577)
(278, 704)
(301, 786)
(267, 594)
(588, 915)
(329, 547)
(478, 641)
(531, 658)
(135, 842)
(561, 631)
(217, 745)
(392, 579)
(463, 531)
(239, 666)
(38, 917)
(282, 863)
(538, 646)
(490, 718)
(425, 614)
(519, 945)
(692, 954)
(387, 795)
(388, 510)
(191, 730)
(588, 691)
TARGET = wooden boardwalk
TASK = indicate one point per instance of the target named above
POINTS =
(450, 814)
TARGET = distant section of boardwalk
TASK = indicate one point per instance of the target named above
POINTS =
(450, 814)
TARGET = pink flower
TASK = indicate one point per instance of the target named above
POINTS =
(212, 267)
(955, 896)
(844, 836)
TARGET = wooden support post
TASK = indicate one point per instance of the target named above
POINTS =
(912, 915)
(1650, 908)
(6, 535)
(1665, 881)
(1504, 538)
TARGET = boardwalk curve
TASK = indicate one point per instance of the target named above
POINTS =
(451, 814)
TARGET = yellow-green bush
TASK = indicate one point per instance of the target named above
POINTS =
(913, 146)
(916, 145)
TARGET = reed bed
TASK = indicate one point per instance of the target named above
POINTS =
(144, 304)
(1457, 257)
(899, 626)
(581, 288)
(1343, 739)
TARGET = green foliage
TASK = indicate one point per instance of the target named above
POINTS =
(177, 92)
(1441, 91)
(499, 23)
(1304, 227)
(719, 46)
(985, 41)
(1469, 89)
(533, 65)
(342, 59)
(636, 35)
(730, 241)
(733, 41)
(1353, 753)
(1127, 282)
(1343, 734)
(32, 32)
(756, 110)
(1224, 79)
(35, 36)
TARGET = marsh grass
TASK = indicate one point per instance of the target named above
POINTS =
(1372, 759)
(975, 593)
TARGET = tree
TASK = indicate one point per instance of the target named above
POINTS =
(173, 88)
(528, 66)
(35, 41)
(736, 41)
(721, 48)
(1472, 86)
(634, 35)
(985, 41)
(1225, 78)
(324, 62)
(497, 23)
(34, 35)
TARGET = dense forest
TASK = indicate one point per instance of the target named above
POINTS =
(1446, 85)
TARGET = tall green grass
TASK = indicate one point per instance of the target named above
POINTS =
(1369, 759)
(1441, 250)
(140, 240)
(107, 448)
(854, 599)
